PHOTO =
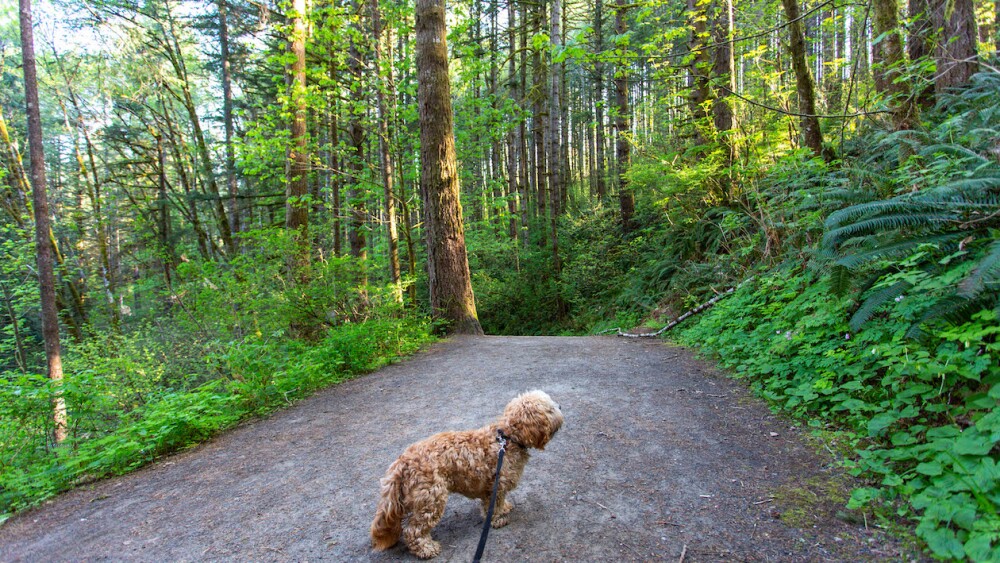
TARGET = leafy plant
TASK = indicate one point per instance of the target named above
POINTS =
(947, 217)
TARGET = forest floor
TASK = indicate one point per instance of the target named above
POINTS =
(660, 458)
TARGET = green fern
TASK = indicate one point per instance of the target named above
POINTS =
(876, 300)
(952, 203)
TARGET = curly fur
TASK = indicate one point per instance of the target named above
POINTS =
(416, 486)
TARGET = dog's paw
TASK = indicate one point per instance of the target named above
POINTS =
(426, 549)
(500, 521)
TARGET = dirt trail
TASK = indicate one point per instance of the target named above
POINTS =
(660, 455)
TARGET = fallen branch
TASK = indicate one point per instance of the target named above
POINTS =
(679, 319)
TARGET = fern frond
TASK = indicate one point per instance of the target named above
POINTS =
(895, 250)
(876, 300)
(953, 150)
(866, 210)
(953, 309)
(985, 272)
(840, 280)
(970, 187)
(885, 223)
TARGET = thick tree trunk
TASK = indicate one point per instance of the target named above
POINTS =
(623, 147)
(955, 52)
(43, 248)
(699, 69)
(448, 265)
(296, 210)
(919, 47)
(804, 86)
(888, 64)
(725, 80)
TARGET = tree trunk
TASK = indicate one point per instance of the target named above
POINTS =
(539, 123)
(355, 131)
(296, 210)
(919, 47)
(514, 158)
(811, 133)
(180, 69)
(227, 118)
(385, 154)
(448, 265)
(601, 183)
(43, 248)
(623, 147)
(725, 79)
(336, 163)
(955, 52)
(888, 64)
(697, 13)
(556, 172)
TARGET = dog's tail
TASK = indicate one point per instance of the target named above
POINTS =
(389, 515)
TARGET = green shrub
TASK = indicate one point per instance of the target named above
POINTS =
(924, 415)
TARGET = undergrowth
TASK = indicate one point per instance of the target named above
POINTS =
(922, 415)
(223, 352)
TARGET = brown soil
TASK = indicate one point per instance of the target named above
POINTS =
(660, 456)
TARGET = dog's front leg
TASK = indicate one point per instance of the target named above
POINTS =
(500, 511)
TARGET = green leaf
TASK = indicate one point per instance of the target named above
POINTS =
(880, 422)
(973, 443)
(931, 468)
(943, 543)
(943, 432)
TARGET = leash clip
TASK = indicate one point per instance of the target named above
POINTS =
(502, 440)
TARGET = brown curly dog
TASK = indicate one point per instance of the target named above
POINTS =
(417, 484)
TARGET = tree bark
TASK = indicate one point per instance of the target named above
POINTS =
(956, 51)
(355, 131)
(725, 79)
(43, 248)
(601, 183)
(539, 124)
(623, 147)
(227, 118)
(699, 69)
(919, 47)
(514, 157)
(448, 265)
(296, 210)
(888, 64)
(176, 57)
(555, 166)
(385, 150)
(804, 85)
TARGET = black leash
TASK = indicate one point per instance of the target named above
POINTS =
(502, 439)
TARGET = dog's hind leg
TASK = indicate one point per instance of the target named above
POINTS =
(426, 510)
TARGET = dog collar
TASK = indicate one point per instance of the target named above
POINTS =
(504, 439)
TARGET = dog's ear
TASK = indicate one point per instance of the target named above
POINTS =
(527, 422)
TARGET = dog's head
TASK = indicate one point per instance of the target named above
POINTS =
(532, 419)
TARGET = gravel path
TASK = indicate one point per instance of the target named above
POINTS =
(661, 458)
